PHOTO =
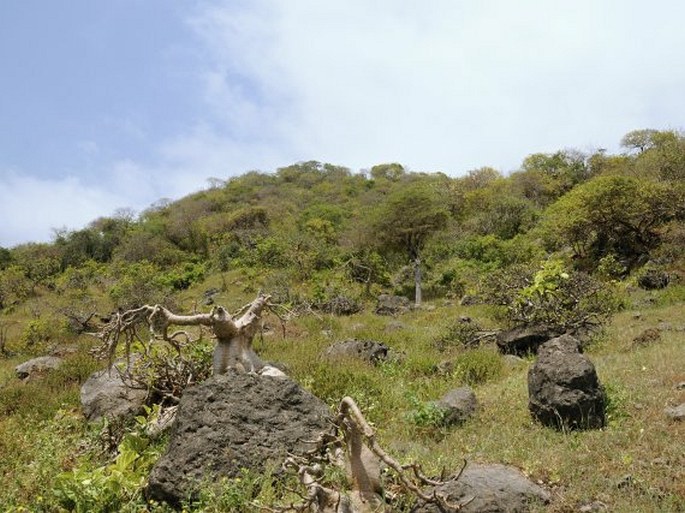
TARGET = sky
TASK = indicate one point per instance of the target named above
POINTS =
(111, 104)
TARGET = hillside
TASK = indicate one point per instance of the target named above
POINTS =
(592, 244)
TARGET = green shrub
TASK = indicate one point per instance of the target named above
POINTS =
(116, 485)
(426, 413)
(37, 331)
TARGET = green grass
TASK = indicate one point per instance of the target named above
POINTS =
(42, 433)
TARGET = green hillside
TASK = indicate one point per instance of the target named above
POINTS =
(592, 243)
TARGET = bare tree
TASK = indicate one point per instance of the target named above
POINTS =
(233, 333)
(362, 458)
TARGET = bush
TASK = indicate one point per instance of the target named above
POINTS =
(553, 297)
(116, 485)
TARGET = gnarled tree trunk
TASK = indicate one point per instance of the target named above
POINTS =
(233, 334)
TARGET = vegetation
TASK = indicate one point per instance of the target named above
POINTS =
(562, 242)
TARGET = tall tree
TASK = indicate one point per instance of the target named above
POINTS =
(405, 222)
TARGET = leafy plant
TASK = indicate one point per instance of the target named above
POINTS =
(116, 485)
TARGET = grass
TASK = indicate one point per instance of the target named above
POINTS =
(41, 429)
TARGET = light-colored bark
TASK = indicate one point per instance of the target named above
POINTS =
(233, 334)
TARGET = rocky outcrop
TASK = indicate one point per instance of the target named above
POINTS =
(36, 366)
(676, 412)
(104, 394)
(653, 279)
(563, 387)
(392, 305)
(367, 350)
(457, 405)
(523, 340)
(490, 489)
(232, 422)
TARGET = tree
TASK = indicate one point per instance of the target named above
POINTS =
(233, 335)
(617, 215)
(639, 140)
(406, 221)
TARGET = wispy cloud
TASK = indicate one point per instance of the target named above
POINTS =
(31, 208)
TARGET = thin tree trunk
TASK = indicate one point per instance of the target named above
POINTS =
(417, 281)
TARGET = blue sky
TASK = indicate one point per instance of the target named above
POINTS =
(119, 103)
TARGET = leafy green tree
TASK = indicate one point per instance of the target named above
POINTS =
(406, 220)
(664, 157)
(544, 177)
(639, 140)
(617, 215)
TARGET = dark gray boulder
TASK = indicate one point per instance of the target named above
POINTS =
(492, 489)
(563, 388)
(367, 350)
(232, 422)
(392, 305)
(457, 405)
(523, 340)
(104, 394)
(39, 365)
(653, 279)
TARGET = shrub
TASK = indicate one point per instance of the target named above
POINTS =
(553, 297)
(113, 486)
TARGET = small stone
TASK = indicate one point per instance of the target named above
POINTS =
(680, 386)
(648, 337)
(637, 315)
(625, 481)
(593, 507)
(38, 365)
(676, 413)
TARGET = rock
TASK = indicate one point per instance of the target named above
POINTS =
(625, 481)
(676, 412)
(469, 300)
(593, 507)
(392, 305)
(104, 394)
(653, 279)
(522, 341)
(340, 305)
(368, 350)
(563, 388)
(208, 296)
(494, 489)
(232, 422)
(394, 326)
(647, 337)
(36, 366)
(458, 405)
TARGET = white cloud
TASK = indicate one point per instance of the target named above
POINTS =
(438, 85)
(444, 85)
(31, 208)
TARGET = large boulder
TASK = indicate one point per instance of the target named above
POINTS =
(563, 387)
(367, 350)
(457, 405)
(232, 422)
(392, 305)
(523, 340)
(105, 394)
(37, 366)
(491, 489)
(653, 279)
